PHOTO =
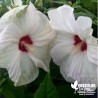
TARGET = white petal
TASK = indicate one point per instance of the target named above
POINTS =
(92, 50)
(92, 54)
(43, 54)
(25, 17)
(44, 34)
(27, 20)
(10, 34)
(84, 25)
(62, 37)
(14, 68)
(7, 55)
(60, 52)
(78, 67)
(38, 63)
(23, 70)
(62, 18)
(97, 76)
(84, 22)
(9, 16)
(61, 47)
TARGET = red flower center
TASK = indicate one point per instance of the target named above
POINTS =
(78, 41)
(23, 41)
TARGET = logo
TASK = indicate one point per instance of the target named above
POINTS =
(83, 89)
(75, 85)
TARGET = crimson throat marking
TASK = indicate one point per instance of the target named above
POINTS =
(25, 40)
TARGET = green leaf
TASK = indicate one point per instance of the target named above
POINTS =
(10, 91)
(80, 11)
(29, 95)
(39, 3)
(91, 5)
(46, 89)
(60, 2)
(2, 81)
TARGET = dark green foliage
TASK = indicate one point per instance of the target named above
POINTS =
(46, 89)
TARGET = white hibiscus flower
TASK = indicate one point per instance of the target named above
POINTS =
(24, 43)
(72, 50)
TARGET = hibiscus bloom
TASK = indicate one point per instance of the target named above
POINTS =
(25, 36)
(72, 50)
